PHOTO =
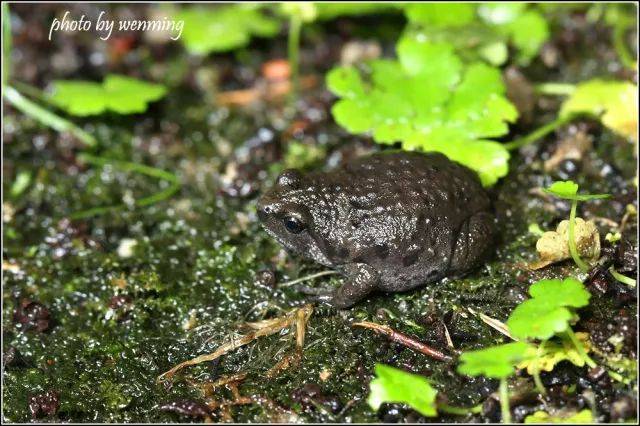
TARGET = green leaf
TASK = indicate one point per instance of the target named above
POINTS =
(537, 319)
(500, 13)
(584, 416)
(568, 190)
(224, 28)
(441, 14)
(22, 182)
(482, 30)
(120, 94)
(528, 33)
(614, 102)
(554, 352)
(326, 11)
(497, 361)
(546, 313)
(394, 385)
(569, 292)
(428, 101)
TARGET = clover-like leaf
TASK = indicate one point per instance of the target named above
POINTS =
(223, 28)
(394, 385)
(497, 362)
(568, 190)
(428, 101)
(117, 93)
(569, 292)
(483, 29)
(583, 416)
(556, 351)
(614, 102)
(537, 319)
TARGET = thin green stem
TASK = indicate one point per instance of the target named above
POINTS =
(539, 133)
(504, 401)
(31, 91)
(307, 278)
(578, 345)
(572, 242)
(6, 44)
(622, 278)
(295, 27)
(555, 89)
(620, 45)
(46, 117)
(536, 369)
(129, 167)
(459, 411)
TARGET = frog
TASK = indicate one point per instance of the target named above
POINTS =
(390, 221)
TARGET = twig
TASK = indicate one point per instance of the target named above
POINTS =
(397, 337)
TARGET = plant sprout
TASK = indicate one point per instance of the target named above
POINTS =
(497, 362)
(395, 385)
(568, 190)
(550, 311)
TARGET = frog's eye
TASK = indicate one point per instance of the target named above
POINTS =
(289, 178)
(293, 224)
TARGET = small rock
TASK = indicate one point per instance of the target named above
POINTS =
(31, 315)
(266, 278)
(44, 404)
(119, 301)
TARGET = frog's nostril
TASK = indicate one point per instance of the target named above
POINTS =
(264, 210)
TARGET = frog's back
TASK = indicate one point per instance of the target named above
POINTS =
(413, 180)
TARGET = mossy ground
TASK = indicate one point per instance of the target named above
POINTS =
(191, 280)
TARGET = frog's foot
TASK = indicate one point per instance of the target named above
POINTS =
(363, 279)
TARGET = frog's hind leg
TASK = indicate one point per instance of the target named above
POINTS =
(473, 244)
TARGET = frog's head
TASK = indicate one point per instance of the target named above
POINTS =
(286, 212)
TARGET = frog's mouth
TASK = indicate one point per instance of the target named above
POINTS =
(305, 247)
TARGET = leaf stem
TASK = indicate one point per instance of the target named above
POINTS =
(504, 401)
(459, 411)
(622, 278)
(555, 89)
(572, 242)
(536, 369)
(578, 345)
(6, 44)
(295, 27)
(46, 117)
(621, 47)
(540, 132)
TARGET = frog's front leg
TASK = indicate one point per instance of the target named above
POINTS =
(362, 279)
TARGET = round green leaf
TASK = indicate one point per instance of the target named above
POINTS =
(538, 319)
(497, 362)
(394, 385)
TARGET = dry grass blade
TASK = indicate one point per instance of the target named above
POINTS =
(493, 323)
(300, 316)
